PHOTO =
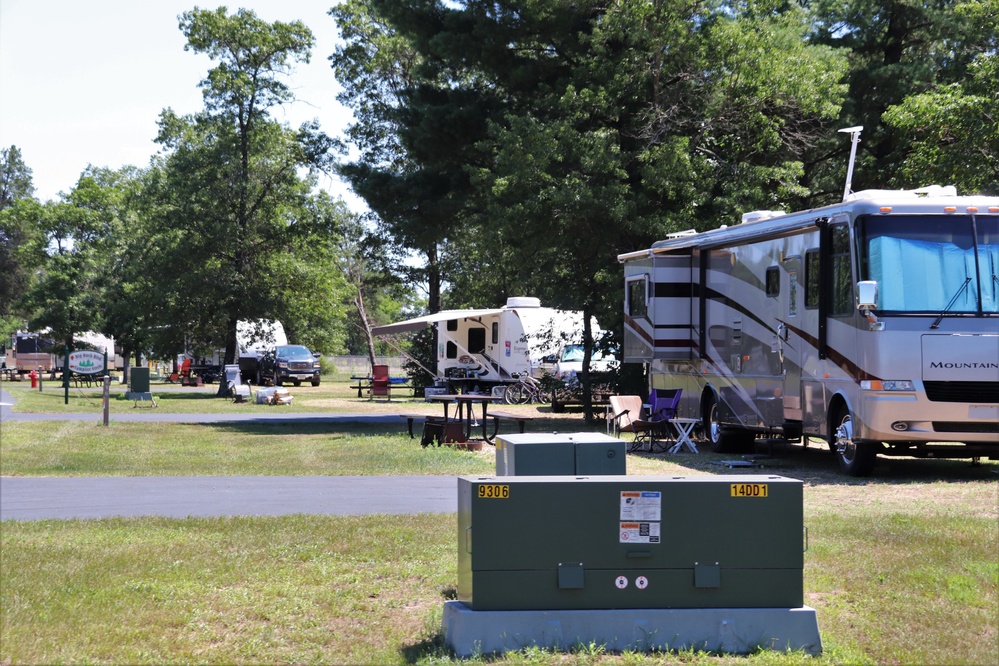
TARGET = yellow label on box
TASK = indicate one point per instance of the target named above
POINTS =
(749, 490)
(494, 491)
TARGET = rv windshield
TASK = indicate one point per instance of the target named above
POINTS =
(933, 264)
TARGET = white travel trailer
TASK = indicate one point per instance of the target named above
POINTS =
(486, 348)
(873, 323)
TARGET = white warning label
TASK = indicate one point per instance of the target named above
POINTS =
(646, 505)
(640, 532)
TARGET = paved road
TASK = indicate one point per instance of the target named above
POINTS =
(34, 498)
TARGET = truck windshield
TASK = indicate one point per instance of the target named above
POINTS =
(932, 263)
(294, 351)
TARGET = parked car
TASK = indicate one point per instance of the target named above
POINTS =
(284, 363)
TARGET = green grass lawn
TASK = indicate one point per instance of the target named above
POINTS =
(901, 568)
(889, 588)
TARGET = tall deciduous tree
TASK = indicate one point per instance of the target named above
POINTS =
(232, 217)
(573, 131)
(16, 191)
(952, 129)
(896, 49)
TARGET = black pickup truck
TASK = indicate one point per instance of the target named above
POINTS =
(288, 363)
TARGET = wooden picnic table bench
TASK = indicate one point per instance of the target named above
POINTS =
(521, 419)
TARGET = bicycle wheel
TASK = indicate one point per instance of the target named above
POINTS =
(508, 394)
(518, 394)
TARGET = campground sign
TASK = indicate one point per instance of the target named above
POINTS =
(86, 362)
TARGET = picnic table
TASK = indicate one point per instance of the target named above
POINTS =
(463, 412)
(362, 383)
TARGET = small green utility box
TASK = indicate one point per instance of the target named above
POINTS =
(576, 454)
(615, 542)
(138, 380)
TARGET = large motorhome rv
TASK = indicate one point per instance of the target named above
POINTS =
(30, 352)
(872, 323)
(487, 348)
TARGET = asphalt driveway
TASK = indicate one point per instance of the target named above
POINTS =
(35, 498)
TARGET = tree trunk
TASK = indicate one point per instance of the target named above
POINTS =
(230, 356)
(587, 356)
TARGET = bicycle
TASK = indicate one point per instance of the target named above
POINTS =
(527, 389)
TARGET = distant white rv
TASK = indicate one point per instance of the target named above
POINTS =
(872, 323)
(492, 347)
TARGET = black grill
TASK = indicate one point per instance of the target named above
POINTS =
(965, 426)
(979, 392)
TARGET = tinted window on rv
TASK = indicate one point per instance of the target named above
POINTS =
(477, 340)
(932, 263)
(452, 350)
(452, 324)
(842, 276)
(637, 304)
(495, 332)
(812, 279)
(773, 281)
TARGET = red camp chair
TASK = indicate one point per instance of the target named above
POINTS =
(380, 382)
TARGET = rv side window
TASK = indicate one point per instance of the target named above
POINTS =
(773, 282)
(495, 333)
(842, 276)
(812, 279)
(452, 324)
(637, 302)
(452, 350)
(477, 340)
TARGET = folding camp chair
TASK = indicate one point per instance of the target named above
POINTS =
(236, 389)
(663, 404)
(622, 413)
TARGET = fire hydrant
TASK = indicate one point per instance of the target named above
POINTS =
(34, 379)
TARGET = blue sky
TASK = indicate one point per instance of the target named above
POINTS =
(84, 82)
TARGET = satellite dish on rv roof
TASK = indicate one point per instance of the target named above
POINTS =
(523, 302)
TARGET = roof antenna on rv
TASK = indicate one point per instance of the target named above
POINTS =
(854, 133)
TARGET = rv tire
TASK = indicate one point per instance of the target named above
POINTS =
(724, 439)
(855, 458)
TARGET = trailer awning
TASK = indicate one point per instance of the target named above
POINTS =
(422, 322)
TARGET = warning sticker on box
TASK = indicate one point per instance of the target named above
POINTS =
(641, 532)
(646, 505)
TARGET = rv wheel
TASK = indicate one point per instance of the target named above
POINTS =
(725, 439)
(855, 458)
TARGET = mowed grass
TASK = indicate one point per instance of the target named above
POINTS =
(329, 397)
(889, 588)
(54, 448)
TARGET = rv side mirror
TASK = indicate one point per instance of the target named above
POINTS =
(867, 295)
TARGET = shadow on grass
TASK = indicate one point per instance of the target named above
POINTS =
(815, 464)
(269, 427)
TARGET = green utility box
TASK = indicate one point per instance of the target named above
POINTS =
(614, 542)
(138, 380)
(576, 454)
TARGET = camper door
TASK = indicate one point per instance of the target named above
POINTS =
(788, 341)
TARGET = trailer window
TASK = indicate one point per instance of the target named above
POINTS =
(452, 350)
(773, 282)
(812, 279)
(933, 263)
(842, 275)
(452, 324)
(495, 333)
(637, 295)
(477, 340)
